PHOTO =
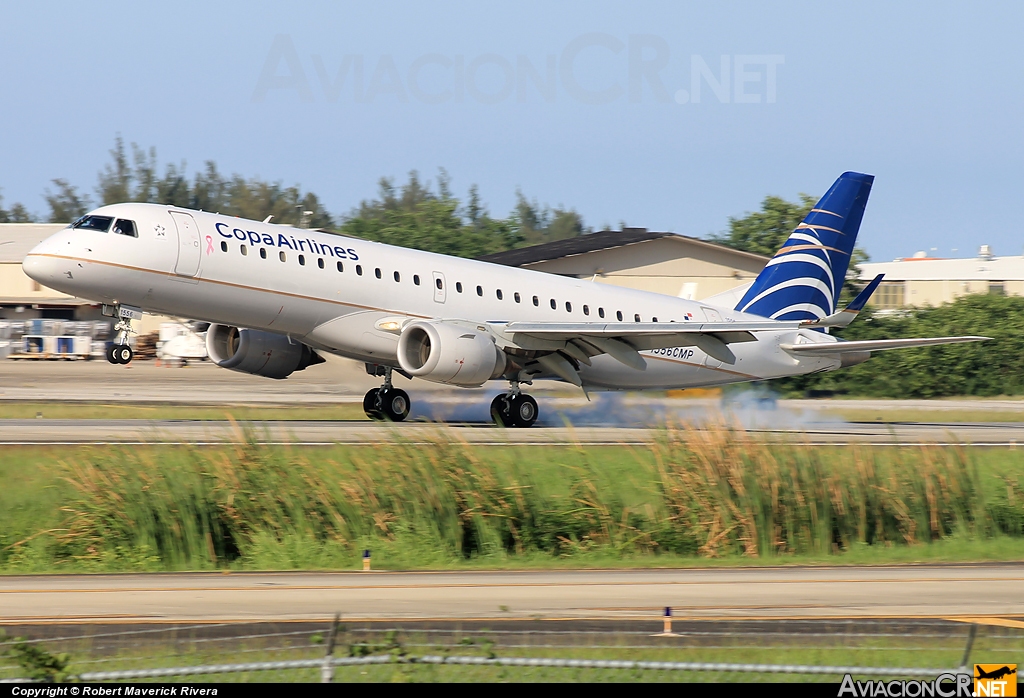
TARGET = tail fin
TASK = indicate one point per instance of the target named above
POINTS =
(802, 281)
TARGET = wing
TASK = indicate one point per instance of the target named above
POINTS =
(623, 341)
(826, 349)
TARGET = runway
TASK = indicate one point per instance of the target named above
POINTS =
(313, 433)
(964, 592)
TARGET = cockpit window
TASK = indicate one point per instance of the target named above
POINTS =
(123, 227)
(100, 223)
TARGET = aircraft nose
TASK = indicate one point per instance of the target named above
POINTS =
(41, 268)
(41, 265)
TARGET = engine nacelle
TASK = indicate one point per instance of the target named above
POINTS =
(261, 353)
(446, 353)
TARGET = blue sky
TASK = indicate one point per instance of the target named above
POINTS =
(926, 96)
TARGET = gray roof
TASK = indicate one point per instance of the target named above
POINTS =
(592, 242)
(18, 239)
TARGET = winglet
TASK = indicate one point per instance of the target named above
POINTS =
(847, 315)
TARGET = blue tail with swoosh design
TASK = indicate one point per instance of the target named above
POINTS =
(802, 281)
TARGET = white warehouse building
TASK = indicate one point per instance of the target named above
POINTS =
(921, 281)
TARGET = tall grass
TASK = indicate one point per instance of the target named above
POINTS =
(707, 493)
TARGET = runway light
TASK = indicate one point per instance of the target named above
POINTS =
(366, 561)
(667, 631)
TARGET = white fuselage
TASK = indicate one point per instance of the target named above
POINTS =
(228, 270)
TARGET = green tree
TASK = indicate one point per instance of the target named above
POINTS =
(115, 180)
(415, 216)
(764, 232)
(538, 225)
(989, 368)
(17, 213)
(66, 204)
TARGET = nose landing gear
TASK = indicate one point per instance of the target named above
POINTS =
(120, 352)
(514, 409)
(387, 402)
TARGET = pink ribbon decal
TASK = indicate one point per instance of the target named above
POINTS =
(209, 244)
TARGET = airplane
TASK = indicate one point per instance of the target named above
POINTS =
(278, 297)
(995, 674)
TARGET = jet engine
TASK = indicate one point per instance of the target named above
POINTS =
(446, 353)
(261, 353)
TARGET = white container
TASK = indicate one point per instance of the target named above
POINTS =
(83, 346)
(5, 349)
(50, 345)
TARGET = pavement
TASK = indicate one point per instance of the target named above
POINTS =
(322, 433)
(983, 593)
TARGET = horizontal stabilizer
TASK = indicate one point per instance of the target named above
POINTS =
(848, 314)
(829, 348)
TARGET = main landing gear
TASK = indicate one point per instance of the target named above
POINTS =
(120, 352)
(387, 402)
(514, 409)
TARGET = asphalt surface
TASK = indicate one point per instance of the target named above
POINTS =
(135, 431)
(962, 592)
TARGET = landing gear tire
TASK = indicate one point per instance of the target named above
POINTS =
(524, 410)
(518, 410)
(395, 404)
(119, 353)
(501, 411)
(371, 405)
(391, 404)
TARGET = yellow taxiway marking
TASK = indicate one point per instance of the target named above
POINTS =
(1002, 622)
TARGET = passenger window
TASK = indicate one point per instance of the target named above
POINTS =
(536, 301)
(123, 227)
(263, 252)
(282, 256)
(554, 305)
(600, 312)
(516, 296)
(302, 260)
(654, 319)
(568, 307)
(223, 246)
(359, 270)
(618, 315)
(320, 262)
(416, 279)
(398, 277)
(341, 267)
(244, 250)
(480, 290)
(586, 310)
(97, 223)
(636, 318)
(458, 286)
(437, 282)
(498, 293)
(376, 272)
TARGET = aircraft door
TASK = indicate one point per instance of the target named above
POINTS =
(189, 250)
(439, 287)
(711, 315)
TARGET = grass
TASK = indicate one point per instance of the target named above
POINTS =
(690, 498)
(936, 416)
(887, 648)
